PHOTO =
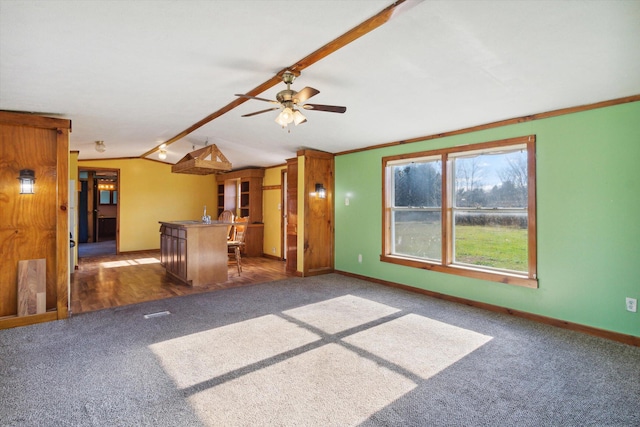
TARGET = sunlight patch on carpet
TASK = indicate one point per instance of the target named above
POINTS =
(326, 386)
(421, 345)
(221, 350)
(342, 313)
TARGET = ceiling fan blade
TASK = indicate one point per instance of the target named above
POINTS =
(305, 94)
(329, 108)
(261, 111)
(255, 97)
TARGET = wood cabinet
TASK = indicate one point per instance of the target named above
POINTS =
(107, 228)
(173, 251)
(194, 253)
(241, 193)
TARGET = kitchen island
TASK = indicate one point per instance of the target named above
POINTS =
(193, 252)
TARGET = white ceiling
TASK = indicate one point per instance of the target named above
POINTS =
(136, 73)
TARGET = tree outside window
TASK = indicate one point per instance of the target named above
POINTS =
(481, 225)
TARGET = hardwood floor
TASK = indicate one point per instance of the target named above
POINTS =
(116, 280)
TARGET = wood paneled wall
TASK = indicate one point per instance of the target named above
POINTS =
(318, 213)
(34, 226)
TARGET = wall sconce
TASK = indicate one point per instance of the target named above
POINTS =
(27, 180)
(321, 192)
(100, 147)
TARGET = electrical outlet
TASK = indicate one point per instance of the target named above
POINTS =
(360, 258)
(632, 304)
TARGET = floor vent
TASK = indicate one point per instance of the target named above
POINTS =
(157, 314)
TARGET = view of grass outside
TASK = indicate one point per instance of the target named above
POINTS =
(498, 247)
(418, 239)
(488, 202)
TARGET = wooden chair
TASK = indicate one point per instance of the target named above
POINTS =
(227, 216)
(235, 246)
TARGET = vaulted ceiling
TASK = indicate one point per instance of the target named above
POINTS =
(138, 73)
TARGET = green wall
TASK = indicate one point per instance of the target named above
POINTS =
(588, 177)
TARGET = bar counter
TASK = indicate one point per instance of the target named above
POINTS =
(193, 252)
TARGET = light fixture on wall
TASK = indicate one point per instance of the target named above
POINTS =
(321, 192)
(163, 152)
(27, 180)
(100, 147)
(106, 186)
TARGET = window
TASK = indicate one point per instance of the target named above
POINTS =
(464, 210)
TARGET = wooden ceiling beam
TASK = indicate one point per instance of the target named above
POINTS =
(353, 34)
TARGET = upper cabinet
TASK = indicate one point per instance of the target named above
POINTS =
(241, 192)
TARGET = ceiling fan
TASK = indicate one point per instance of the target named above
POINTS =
(289, 101)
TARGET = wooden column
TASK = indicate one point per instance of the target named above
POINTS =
(34, 226)
(318, 213)
(291, 243)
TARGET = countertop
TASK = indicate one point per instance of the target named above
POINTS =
(195, 223)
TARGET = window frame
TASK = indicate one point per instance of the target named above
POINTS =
(446, 265)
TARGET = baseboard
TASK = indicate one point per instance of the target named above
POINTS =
(273, 257)
(610, 335)
(7, 322)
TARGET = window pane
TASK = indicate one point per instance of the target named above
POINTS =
(495, 240)
(418, 184)
(492, 180)
(417, 234)
(105, 197)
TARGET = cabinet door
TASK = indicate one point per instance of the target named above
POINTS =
(164, 248)
(173, 254)
(220, 199)
(181, 258)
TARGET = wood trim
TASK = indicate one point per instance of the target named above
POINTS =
(284, 214)
(446, 218)
(271, 187)
(462, 271)
(353, 34)
(461, 148)
(532, 224)
(271, 257)
(492, 125)
(15, 321)
(62, 224)
(241, 173)
(31, 120)
(576, 327)
(316, 154)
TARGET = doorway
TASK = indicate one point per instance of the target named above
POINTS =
(98, 212)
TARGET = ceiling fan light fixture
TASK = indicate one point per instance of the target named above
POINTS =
(287, 115)
(298, 118)
(279, 120)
